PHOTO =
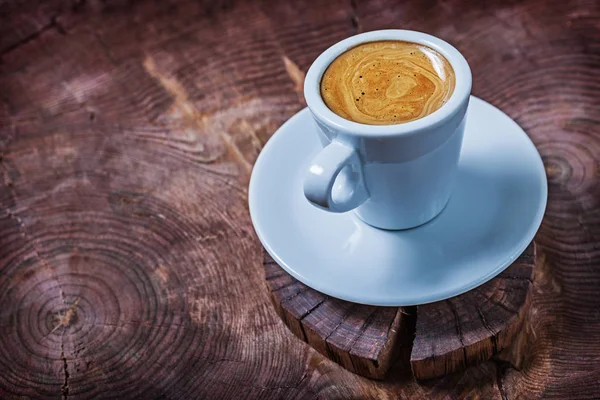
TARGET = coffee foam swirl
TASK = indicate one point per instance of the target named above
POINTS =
(387, 82)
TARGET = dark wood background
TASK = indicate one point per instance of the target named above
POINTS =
(128, 264)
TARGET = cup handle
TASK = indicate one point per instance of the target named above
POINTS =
(322, 174)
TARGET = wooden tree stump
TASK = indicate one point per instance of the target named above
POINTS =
(448, 335)
(129, 268)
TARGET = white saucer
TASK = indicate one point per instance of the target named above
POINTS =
(495, 210)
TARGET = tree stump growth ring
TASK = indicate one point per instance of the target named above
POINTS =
(446, 336)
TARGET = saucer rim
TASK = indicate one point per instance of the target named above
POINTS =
(526, 239)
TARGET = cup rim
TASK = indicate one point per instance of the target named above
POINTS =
(462, 88)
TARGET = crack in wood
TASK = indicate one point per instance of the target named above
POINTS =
(306, 288)
(287, 285)
(424, 366)
(346, 315)
(408, 324)
(269, 261)
(307, 313)
(65, 386)
(65, 320)
(458, 330)
(26, 236)
(52, 24)
(489, 328)
(277, 274)
(154, 29)
(361, 330)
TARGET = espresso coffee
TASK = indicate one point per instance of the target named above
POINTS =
(387, 82)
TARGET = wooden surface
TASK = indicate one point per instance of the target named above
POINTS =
(128, 263)
(366, 340)
(490, 320)
(432, 340)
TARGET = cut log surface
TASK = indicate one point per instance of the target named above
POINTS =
(449, 336)
(128, 264)
(470, 328)
(364, 339)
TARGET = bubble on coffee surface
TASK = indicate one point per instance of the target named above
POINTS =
(387, 82)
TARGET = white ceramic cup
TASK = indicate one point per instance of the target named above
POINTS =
(394, 176)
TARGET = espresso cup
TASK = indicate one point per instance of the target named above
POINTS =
(393, 176)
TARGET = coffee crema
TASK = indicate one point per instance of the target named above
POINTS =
(387, 82)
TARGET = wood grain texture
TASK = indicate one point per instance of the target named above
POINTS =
(470, 328)
(363, 339)
(440, 338)
(128, 263)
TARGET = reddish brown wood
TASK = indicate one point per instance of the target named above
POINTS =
(449, 335)
(128, 263)
(470, 328)
(363, 339)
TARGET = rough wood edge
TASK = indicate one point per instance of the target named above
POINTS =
(462, 357)
(399, 335)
